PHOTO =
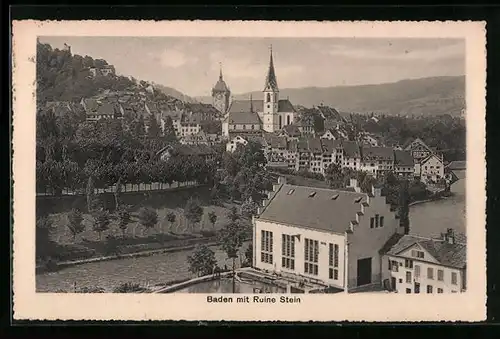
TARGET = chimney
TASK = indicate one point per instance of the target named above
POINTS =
(449, 236)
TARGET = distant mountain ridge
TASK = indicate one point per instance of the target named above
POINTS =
(174, 93)
(421, 97)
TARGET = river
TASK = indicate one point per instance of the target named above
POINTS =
(427, 219)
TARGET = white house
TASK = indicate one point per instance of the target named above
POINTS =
(431, 168)
(329, 237)
(232, 144)
(412, 264)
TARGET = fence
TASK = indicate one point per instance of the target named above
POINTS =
(142, 187)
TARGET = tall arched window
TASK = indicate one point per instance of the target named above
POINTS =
(275, 97)
(288, 120)
(280, 121)
(268, 97)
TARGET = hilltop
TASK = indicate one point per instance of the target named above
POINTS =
(420, 97)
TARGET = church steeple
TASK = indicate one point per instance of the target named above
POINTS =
(271, 82)
(221, 94)
(220, 74)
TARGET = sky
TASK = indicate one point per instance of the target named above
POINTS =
(191, 65)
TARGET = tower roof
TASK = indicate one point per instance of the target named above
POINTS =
(271, 82)
(220, 86)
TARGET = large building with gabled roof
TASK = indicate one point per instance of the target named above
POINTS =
(270, 114)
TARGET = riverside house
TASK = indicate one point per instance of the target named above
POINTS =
(329, 237)
(413, 264)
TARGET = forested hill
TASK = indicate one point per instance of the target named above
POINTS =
(66, 77)
(419, 97)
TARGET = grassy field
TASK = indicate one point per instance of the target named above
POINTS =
(137, 238)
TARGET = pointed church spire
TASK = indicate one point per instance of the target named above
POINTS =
(220, 68)
(271, 82)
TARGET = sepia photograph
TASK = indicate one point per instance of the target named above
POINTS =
(252, 169)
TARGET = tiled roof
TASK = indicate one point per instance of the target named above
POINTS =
(221, 86)
(246, 106)
(326, 209)
(378, 153)
(452, 255)
(457, 165)
(292, 130)
(106, 109)
(314, 145)
(351, 149)
(275, 141)
(403, 158)
(285, 106)
(244, 118)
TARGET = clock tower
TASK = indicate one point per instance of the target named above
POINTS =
(221, 95)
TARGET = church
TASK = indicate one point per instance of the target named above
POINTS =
(253, 117)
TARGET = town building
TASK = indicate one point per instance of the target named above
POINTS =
(97, 110)
(232, 144)
(202, 151)
(201, 138)
(412, 264)
(430, 169)
(351, 155)
(418, 149)
(403, 164)
(268, 115)
(377, 160)
(221, 95)
(330, 237)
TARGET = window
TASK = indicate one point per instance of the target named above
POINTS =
(395, 266)
(244, 126)
(430, 273)
(408, 277)
(288, 120)
(417, 254)
(417, 271)
(454, 278)
(376, 220)
(311, 252)
(266, 247)
(268, 98)
(288, 251)
(440, 275)
(372, 222)
(429, 288)
(333, 261)
(408, 290)
(381, 221)
(408, 263)
(253, 126)
(440, 290)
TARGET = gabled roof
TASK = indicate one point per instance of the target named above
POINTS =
(291, 130)
(452, 255)
(106, 109)
(378, 153)
(409, 142)
(430, 156)
(275, 141)
(244, 118)
(457, 165)
(403, 158)
(245, 106)
(314, 145)
(326, 209)
(285, 106)
(351, 149)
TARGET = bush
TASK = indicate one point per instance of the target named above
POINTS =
(130, 288)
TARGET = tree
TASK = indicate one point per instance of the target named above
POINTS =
(193, 211)
(404, 209)
(101, 221)
(117, 192)
(148, 217)
(91, 198)
(171, 219)
(202, 261)
(249, 208)
(44, 229)
(154, 130)
(124, 218)
(213, 218)
(249, 255)
(75, 225)
(231, 238)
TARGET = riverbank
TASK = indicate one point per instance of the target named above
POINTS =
(55, 266)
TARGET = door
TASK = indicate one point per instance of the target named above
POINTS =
(417, 287)
(394, 283)
(364, 271)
